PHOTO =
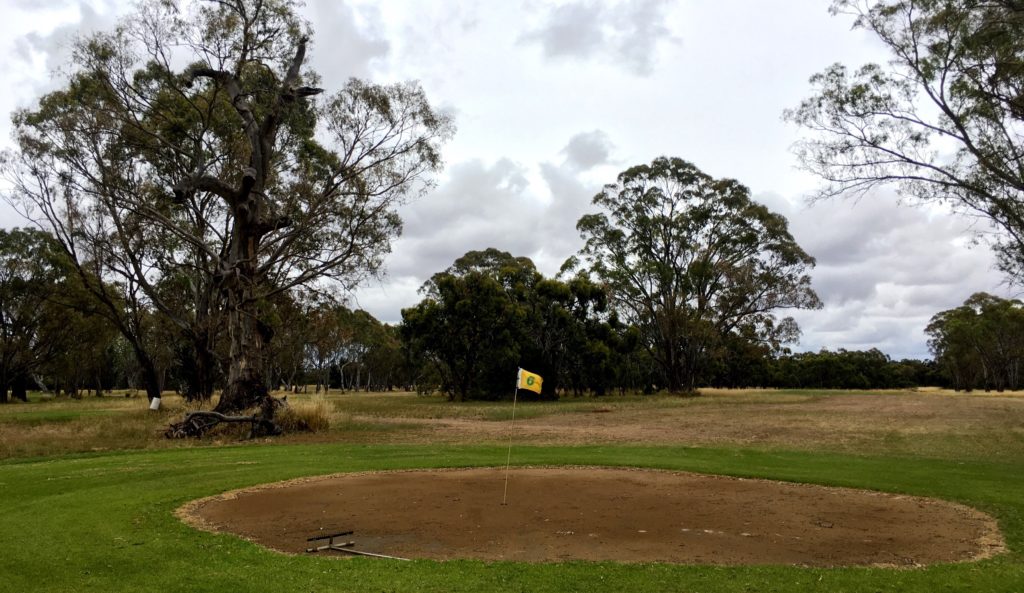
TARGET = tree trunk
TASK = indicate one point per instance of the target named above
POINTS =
(19, 388)
(237, 276)
(150, 377)
(245, 386)
(199, 383)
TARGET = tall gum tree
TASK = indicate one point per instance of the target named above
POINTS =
(192, 141)
(980, 343)
(687, 259)
(942, 121)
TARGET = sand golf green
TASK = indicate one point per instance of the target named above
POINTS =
(586, 513)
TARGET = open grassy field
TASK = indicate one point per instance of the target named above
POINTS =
(90, 490)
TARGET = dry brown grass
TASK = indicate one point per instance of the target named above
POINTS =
(307, 415)
(928, 423)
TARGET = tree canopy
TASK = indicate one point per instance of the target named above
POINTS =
(190, 145)
(688, 259)
(981, 343)
(942, 121)
(491, 312)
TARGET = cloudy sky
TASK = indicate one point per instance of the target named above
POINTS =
(553, 99)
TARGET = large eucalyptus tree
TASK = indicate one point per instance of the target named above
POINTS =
(688, 258)
(191, 146)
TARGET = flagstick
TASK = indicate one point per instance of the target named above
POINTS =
(508, 460)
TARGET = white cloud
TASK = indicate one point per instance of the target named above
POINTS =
(35, 41)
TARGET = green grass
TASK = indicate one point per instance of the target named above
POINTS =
(104, 522)
(77, 520)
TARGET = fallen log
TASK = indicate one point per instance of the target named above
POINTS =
(195, 424)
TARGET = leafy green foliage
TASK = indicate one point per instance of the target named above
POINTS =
(690, 260)
(466, 333)
(490, 313)
(848, 369)
(339, 341)
(45, 330)
(981, 343)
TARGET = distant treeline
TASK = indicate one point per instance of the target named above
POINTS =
(479, 320)
(842, 369)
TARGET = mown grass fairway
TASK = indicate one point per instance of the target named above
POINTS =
(104, 521)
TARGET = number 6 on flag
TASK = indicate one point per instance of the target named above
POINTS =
(530, 381)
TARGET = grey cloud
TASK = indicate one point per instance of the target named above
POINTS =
(570, 199)
(574, 29)
(837, 286)
(858, 327)
(587, 150)
(843, 318)
(385, 300)
(925, 298)
(571, 196)
(470, 210)
(472, 192)
(643, 29)
(886, 335)
(775, 203)
(628, 33)
(855, 231)
(883, 271)
(482, 205)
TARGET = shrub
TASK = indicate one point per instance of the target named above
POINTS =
(313, 415)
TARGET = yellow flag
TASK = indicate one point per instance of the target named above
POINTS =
(528, 380)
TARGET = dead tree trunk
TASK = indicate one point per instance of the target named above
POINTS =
(196, 424)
